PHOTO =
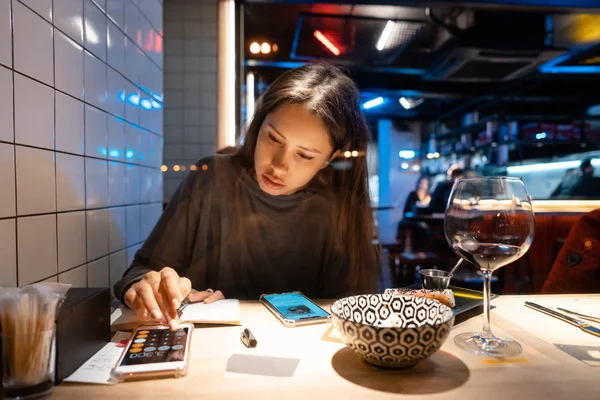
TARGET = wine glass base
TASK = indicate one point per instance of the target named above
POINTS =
(484, 345)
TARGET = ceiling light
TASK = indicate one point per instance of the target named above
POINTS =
(407, 154)
(404, 102)
(373, 103)
(385, 35)
(265, 48)
(326, 42)
(354, 153)
(409, 103)
(255, 48)
(347, 154)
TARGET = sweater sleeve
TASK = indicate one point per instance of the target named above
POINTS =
(170, 244)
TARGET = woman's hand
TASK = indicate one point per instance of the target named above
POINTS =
(207, 296)
(158, 296)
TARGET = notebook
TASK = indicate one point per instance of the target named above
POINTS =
(222, 312)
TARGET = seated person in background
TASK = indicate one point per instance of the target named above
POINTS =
(270, 217)
(577, 267)
(441, 194)
(418, 197)
(579, 182)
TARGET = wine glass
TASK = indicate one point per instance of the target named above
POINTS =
(489, 222)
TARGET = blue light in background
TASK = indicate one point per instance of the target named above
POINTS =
(551, 66)
(114, 153)
(129, 154)
(121, 96)
(134, 99)
(146, 104)
(373, 103)
(102, 150)
(158, 97)
(156, 105)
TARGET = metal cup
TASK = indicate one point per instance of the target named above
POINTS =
(435, 279)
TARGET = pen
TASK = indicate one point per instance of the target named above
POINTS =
(184, 303)
(248, 338)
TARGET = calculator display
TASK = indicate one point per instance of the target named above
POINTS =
(156, 346)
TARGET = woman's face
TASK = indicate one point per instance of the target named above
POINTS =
(292, 146)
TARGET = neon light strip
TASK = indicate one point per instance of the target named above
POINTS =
(385, 35)
(330, 46)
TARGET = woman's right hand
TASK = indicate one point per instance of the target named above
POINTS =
(158, 296)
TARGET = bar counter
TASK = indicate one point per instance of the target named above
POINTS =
(328, 369)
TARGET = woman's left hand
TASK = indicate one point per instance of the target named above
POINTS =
(206, 296)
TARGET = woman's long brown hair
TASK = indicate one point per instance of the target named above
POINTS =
(332, 96)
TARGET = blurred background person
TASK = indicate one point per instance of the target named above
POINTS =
(418, 198)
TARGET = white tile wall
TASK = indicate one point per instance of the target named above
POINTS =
(96, 183)
(36, 184)
(34, 99)
(70, 206)
(71, 240)
(32, 44)
(36, 244)
(94, 22)
(7, 180)
(42, 7)
(68, 17)
(117, 184)
(96, 138)
(5, 33)
(116, 138)
(118, 264)
(70, 182)
(95, 80)
(97, 234)
(77, 277)
(6, 106)
(70, 136)
(117, 225)
(190, 79)
(8, 253)
(98, 273)
(68, 65)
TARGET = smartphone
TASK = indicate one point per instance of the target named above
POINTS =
(155, 352)
(294, 309)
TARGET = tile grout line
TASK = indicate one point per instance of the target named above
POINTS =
(79, 155)
(85, 194)
(79, 210)
(94, 260)
(54, 149)
(14, 134)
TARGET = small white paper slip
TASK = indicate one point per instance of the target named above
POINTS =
(97, 368)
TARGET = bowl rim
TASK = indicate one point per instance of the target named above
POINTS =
(444, 308)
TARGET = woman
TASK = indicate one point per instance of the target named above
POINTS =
(418, 197)
(274, 216)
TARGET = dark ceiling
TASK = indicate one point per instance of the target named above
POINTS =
(540, 58)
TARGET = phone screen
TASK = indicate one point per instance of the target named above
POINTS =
(294, 306)
(156, 346)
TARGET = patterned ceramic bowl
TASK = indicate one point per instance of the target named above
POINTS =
(392, 331)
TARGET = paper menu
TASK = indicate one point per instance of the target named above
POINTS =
(97, 369)
(223, 312)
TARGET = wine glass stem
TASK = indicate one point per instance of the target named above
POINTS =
(487, 290)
